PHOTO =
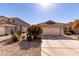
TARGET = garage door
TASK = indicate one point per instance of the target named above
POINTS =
(51, 31)
(2, 30)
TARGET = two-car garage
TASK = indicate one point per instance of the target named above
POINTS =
(52, 29)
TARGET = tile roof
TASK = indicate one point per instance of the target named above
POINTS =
(50, 22)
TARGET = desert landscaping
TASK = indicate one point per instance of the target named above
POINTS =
(44, 39)
(21, 48)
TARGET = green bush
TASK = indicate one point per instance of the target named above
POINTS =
(78, 37)
(15, 38)
(12, 31)
(67, 33)
(19, 32)
(15, 35)
(23, 37)
(34, 32)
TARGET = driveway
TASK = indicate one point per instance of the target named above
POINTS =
(59, 46)
(5, 37)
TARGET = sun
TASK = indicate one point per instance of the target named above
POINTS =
(44, 4)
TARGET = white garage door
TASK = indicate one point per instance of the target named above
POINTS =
(2, 30)
(51, 31)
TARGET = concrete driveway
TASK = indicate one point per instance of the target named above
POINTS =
(59, 46)
(5, 37)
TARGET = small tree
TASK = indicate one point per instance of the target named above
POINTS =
(34, 32)
(75, 25)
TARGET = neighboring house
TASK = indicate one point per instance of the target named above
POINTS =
(9, 24)
(20, 25)
(52, 28)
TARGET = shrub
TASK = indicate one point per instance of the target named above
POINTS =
(67, 33)
(23, 36)
(19, 32)
(78, 37)
(12, 31)
(15, 35)
(15, 38)
(34, 32)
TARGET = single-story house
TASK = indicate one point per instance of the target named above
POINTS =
(52, 28)
(9, 24)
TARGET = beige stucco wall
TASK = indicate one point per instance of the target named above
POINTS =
(52, 30)
(2, 31)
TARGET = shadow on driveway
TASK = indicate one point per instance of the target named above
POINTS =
(33, 48)
(56, 37)
(6, 40)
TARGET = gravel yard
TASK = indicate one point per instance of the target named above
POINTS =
(21, 48)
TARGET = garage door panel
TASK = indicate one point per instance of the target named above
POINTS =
(51, 31)
(2, 30)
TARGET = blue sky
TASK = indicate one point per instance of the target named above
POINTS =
(37, 13)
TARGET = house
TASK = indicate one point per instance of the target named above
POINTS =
(52, 28)
(9, 24)
(20, 24)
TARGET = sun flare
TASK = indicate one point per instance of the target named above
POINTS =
(44, 4)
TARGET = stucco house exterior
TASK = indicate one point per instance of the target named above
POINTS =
(9, 24)
(52, 28)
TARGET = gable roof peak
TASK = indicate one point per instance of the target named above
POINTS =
(50, 22)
